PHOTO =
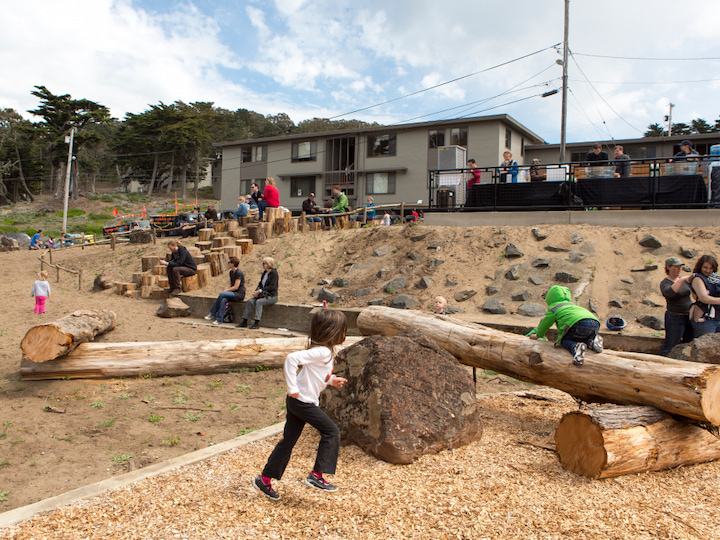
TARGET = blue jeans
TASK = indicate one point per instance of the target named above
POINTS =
(218, 308)
(328, 220)
(677, 330)
(313, 219)
(258, 304)
(710, 326)
(298, 414)
(583, 331)
(236, 214)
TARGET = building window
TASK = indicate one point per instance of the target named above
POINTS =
(304, 151)
(302, 186)
(458, 136)
(436, 138)
(246, 155)
(245, 185)
(508, 138)
(380, 183)
(261, 153)
(381, 145)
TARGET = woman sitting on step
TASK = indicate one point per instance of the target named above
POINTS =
(235, 293)
(265, 294)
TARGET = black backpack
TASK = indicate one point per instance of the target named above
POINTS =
(229, 317)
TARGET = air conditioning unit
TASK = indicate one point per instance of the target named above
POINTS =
(452, 157)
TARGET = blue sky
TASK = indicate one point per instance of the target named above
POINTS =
(326, 58)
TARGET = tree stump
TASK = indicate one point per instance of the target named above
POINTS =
(256, 233)
(218, 263)
(273, 214)
(193, 251)
(246, 244)
(159, 294)
(279, 226)
(239, 233)
(160, 270)
(204, 274)
(48, 341)
(122, 288)
(294, 225)
(604, 441)
(232, 225)
(203, 246)
(190, 283)
(222, 241)
(141, 237)
(149, 262)
(137, 277)
(149, 279)
(218, 226)
(205, 235)
(233, 251)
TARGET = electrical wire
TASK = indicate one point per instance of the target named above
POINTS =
(648, 59)
(446, 82)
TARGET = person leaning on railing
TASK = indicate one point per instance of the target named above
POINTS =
(622, 162)
(537, 174)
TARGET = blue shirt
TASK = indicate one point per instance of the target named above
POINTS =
(35, 239)
(242, 210)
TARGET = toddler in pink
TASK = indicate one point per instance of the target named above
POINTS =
(40, 290)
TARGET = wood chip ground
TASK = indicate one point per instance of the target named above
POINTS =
(508, 485)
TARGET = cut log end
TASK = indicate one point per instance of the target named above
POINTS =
(711, 399)
(579, 443)
(45, 343)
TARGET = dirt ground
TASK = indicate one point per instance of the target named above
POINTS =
(114, 426)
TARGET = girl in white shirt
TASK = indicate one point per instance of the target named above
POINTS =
(307, 373)
(40, 290)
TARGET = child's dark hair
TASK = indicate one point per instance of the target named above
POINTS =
(327, 328)
(705, 259)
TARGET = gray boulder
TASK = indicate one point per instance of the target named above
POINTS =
(396, 284)
(651, 321)
(424, 283)
(521, 296)
(173, 307)
(564, 277)
(538, 235)
(107, 279)
(493, 305)
(513, 274)
(512, 251)
(381, 251)
(532, 310)
(328, 296)
(403, 301)
(361, 293)
(341, 282)
(705, 349)
(649, 241)
(390, 408)
(540, 263)
(462, 296)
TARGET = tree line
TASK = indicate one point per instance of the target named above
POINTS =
(696, 126)
(165, 147)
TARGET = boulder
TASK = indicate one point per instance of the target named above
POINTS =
(381, 251)
(173, 307)
(405, 397)
(328, 296)
(424, 283)
(576, 257)
(521, 296)
(532, 310)
(396, 284)
(536, 280)
(107, 279)
(462, 296)
(512, 251)
(540, 263)
(513, 274)
(403, 301)
(376, 302)
(556, 249)
(576, 238)
(420, 237)
(649, 241)
(141, 237)
(341, 282)
(704, 349)
(564, 277)
(538, 234)
(651, 321)
(491, 289)
(435, 263)
(493, 305)
(413, 256)
(360, 293)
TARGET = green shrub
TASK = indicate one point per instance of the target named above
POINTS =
(72, 212)
(100, 217)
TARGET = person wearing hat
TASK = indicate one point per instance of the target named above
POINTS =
(536, 173)
(686, 153)
(311, 208)
(676, 291)
(597, 154)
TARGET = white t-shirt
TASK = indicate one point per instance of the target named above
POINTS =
(315, 373)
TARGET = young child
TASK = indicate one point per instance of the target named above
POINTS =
(440, 305)
(577, 327)
(40, 290)
(315, 364)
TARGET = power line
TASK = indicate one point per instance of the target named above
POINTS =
(446, 82)
(648, 59)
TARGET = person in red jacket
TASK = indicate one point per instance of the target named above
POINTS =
(270, 197)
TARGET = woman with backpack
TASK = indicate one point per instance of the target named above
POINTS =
(235, 293)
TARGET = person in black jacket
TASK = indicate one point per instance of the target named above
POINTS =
(311, 208)
(265, 294)
(597, 154)
(181, 265)
(235, 293)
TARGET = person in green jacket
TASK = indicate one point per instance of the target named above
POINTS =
(340, 205)
(577, 327)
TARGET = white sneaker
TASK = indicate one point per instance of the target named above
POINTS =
(597, 344)
(216, 323)
(209, 317)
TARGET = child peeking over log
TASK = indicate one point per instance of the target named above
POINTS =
(577, 327)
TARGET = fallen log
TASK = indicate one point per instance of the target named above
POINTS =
(684, 388)
(110, 360)
(604, 441)
(47, 341)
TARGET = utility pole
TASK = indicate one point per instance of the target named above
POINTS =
(563, 118)
(669, 120)
(69, 140)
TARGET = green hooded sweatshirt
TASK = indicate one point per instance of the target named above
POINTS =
(561, 311)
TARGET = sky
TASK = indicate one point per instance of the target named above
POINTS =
(377, 61)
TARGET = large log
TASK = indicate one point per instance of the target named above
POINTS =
(612, 440)
(685, 388)
(110, 360)
(47, 341)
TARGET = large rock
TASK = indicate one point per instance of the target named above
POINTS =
(494, 306)
(107, 279)
(705, 349)
(405, 397)
(328, 296)
(403, 301)
(173, 307)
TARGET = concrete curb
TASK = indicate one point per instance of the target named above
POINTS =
(93, 490)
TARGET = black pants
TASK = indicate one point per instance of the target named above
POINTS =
(176, 273)
(299, 414)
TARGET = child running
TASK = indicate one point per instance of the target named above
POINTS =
(307, 373)
(577, 327)
(40, 290)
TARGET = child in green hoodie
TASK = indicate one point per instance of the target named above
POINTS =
(577, 327)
